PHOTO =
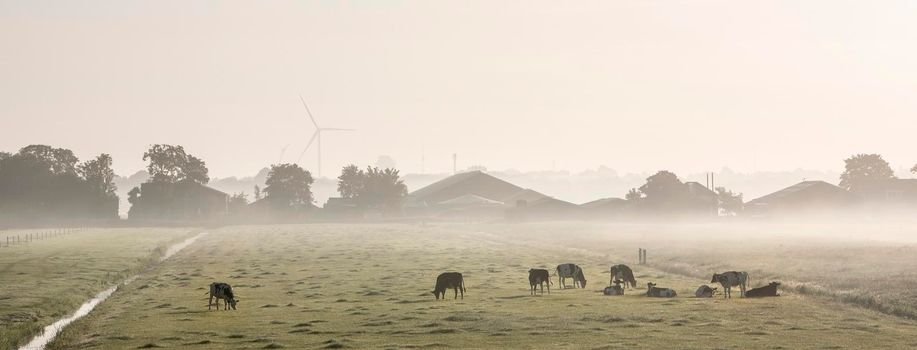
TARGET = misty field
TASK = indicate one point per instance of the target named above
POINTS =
(43, 280)
(368, 286)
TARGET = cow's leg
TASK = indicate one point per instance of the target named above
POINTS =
(210, 302)
(462, 290)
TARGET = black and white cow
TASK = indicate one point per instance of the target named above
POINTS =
(769, 290)
(220, 290)
(616, 289)
(622, 273)
(731, 279)
(539, 277)
(573, 271)
(705, 291)
(652, 291)
(448, 280)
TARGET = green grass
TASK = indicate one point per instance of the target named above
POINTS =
(368, 286)
(44, 280)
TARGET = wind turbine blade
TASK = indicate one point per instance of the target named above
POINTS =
(308, 111)
(314, 135)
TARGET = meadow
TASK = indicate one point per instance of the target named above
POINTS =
(368, 286)
(46, 279)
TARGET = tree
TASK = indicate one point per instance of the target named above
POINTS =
(171, 164)
(288, 186)
(913, 170)
(195, 170)
(662, 186)
(862, 168)
(381, 189)
(730, 202)
(633, 195)
(99, 175)
(351, 181)
(257, 193)
(58, 160)
(238, 203)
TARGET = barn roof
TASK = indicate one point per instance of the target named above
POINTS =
(475, 183)
(600, 203)
(804, 191)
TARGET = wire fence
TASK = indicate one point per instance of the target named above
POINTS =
(15, 238)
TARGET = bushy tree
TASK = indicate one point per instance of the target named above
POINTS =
(172, 164)
(238, 204)
(731, 203)
(382, 189)
(99, 175)
(862, 168)
(351, 181)
(288, 186)
(373, 188)
(633, 195)
(663, 186)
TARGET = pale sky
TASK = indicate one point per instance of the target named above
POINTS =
(635, 85)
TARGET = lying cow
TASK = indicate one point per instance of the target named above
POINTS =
(539, 277)
(769, 290)
(616, 289)
(705, 291)
(448, 280)
(220, 290)
(652, 291)
(731, 279)
(623, 273)
(568, 270)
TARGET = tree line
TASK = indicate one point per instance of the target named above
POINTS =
(41, 183)
(44, 183)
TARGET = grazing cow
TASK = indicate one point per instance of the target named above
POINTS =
(705, 291)
(573, 271)
(731, 279)
(448, 280)
(652, 291)
(616, 289)
(539, 277)
(220, 290)
(623, 273)
(769, 290)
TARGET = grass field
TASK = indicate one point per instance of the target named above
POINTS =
(368, 286)
(45, 279)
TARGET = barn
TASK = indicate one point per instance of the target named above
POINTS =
(805, 198)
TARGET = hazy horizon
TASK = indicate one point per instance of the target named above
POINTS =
(635, 86)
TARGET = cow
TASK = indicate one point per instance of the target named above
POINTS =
(448, 280)
(769, 290)
(573, 271)
(731, 279)
(705, 291)
(539, 277)
(652, 291)
(616, 289)
(623, 273)
(220, 290)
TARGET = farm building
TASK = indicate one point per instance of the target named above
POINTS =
(475, 194)
(604, 208)
(179, 201)
(891, 192)
(807, 197)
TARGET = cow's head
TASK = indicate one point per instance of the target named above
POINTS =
(716, 278)
(650, 285)
(233, 302)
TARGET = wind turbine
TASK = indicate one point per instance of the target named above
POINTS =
(317, 135)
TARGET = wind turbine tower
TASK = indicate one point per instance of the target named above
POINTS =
(316, 136)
